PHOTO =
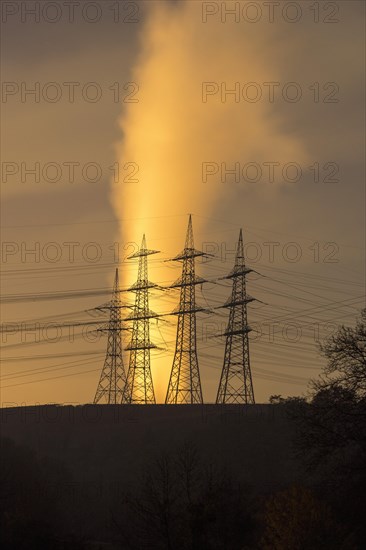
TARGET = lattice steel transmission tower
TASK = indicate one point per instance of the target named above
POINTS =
(139, 387)
(113, 377)
(236, 384)
(185, 384)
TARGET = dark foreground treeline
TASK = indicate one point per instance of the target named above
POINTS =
(182, 501)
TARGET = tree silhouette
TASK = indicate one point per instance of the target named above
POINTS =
(296, 519)
(345, 352)
(184, 503)
(330, 434)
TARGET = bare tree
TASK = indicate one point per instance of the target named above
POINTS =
(345, 352)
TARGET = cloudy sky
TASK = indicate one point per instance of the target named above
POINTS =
(120, 118)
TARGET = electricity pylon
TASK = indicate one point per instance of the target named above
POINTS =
(236, 384)
(139, 387)
(185, 384)
(113, 377)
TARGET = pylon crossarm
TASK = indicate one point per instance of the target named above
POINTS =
(246, 300)
(238, 272)
(244, 330)
(142, 285)
(195, 280)
(112, 329)
(187, 310)
(188, 253)
(107, 307)
(141, 345)
(140, 313)
(142, 253)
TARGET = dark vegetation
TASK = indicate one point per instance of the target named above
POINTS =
(182, 498)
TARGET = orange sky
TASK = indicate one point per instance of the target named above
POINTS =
(169, 133)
